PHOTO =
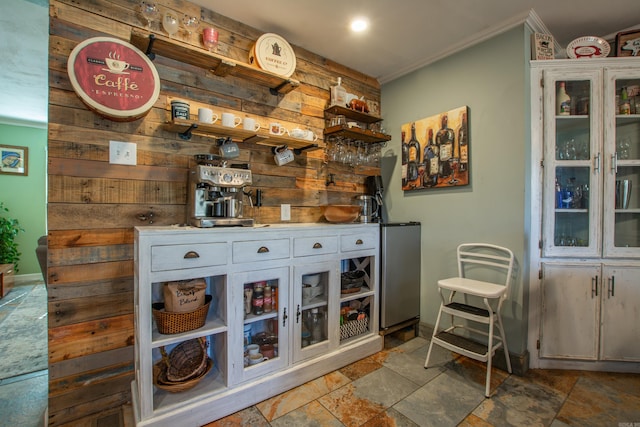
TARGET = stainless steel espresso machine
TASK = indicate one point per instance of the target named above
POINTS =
(216, 195)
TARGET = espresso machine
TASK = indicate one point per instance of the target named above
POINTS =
(215, 194)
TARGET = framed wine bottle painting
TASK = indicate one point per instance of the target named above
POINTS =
(435, 151)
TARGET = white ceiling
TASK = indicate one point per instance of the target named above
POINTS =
(403, 34)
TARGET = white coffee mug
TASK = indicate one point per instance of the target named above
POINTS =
(206, 115)
(254, 359)
(283, 155)
(229, 149)
(310, 136)
(253, 349)
(277, 129)
(250, 124)
(230, 120)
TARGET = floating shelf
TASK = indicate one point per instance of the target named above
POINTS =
(152, 44)
(353, 114)
(356, 133)
(184, 127)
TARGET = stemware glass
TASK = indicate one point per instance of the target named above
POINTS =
(210, 38)
(170, 24)
(190, 23)
(149, 11)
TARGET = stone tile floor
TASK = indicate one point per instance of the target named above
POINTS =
(392, 388)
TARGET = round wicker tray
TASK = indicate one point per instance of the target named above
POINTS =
(174, 323)
(161, 381)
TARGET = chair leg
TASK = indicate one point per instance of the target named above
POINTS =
(435, 331)
(487, 386)
(504, 342)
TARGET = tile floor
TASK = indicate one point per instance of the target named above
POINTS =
(391, 388)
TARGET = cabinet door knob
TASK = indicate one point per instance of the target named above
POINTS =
(317, 246)
(191, 254)
(359, 242)
(263, 249)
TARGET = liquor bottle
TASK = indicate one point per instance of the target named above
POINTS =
(338, 94)
(414, 155)
(563, 101)
(315, 326)
(444, 141)
(267, 305)
(431, 162)
(625, 105)
(463, 143)
(405, 158)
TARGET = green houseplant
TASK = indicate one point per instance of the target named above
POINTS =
(9, 229)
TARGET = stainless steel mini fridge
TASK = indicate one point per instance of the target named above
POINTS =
(399, 273)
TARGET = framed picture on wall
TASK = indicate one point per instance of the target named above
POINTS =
(435, 151)
(14, 160)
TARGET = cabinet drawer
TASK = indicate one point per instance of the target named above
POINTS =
(306, 246)
(176, 257)
(358, 242)
(260, 250)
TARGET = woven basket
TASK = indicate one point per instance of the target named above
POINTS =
(174, 323)
(186, 361)
(161, 381)
(353, 328)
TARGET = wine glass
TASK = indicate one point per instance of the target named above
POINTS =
(453, 163)
(149, 11)
(190, 23)
(170, 23)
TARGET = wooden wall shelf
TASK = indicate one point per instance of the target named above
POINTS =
(152, 44)
(368, 136)
(353, 114)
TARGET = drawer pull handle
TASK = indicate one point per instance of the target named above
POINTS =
(191, 254)
(317, 246)
(284, 318)
(263, 250)
(298, 314)
(359, 242)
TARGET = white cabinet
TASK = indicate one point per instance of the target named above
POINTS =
(590, 312)
(300, 332)
(586, 215)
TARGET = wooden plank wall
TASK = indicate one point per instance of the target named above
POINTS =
(93, 206)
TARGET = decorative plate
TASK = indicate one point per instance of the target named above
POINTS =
(588, 47)
(273, 53)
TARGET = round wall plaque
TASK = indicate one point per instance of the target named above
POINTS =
(113, 78)
(273, 53)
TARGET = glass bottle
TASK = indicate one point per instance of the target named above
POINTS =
(258, 299)
(444, 142)
(463, 144)
(315, 326)
(431, 162)
(338, 94)
(625, 105)
(563, 100)
(268, 306)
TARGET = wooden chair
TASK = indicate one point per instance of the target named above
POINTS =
(483, 298)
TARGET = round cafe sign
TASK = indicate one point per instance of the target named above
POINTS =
(113, 78)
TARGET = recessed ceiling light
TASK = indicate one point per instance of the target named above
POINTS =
(358, 25)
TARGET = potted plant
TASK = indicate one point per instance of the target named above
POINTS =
(9, 229)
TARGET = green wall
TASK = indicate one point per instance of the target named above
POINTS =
(25, 196)
(491, 78)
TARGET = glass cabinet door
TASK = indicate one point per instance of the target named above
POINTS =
(260, 340)
(572, 163)
(313, 309)
(622, 171)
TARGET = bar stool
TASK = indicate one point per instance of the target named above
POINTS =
(483, 298)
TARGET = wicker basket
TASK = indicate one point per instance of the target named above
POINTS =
(161, 381)
(174, 323)
(351, 281)
(354, 327)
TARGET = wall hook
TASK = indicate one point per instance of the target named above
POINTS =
(149, 53)
(186, 135)
(300, 150)
(330, 180)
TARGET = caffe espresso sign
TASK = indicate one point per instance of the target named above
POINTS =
(113, 78)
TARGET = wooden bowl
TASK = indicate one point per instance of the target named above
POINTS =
(341, 213)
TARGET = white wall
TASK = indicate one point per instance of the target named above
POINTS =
(491, 79)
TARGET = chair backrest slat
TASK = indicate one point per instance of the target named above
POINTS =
(495, 257)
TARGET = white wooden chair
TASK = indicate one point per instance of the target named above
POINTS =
(483, 298)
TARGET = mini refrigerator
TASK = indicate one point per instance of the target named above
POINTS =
(399, 273)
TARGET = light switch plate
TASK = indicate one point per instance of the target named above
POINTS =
(122, 153)
(285, 212)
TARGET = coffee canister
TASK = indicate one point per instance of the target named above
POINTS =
(179, 109)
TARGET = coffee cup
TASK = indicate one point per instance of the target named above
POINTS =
(277, 129)
(230, 120)
(229, 149)
(254, 359)
(298, 133)
(250, 124)
(282, 155)
(253, 349)
(179, 109)
(206, 115)
(116, 65)
(310, 136)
